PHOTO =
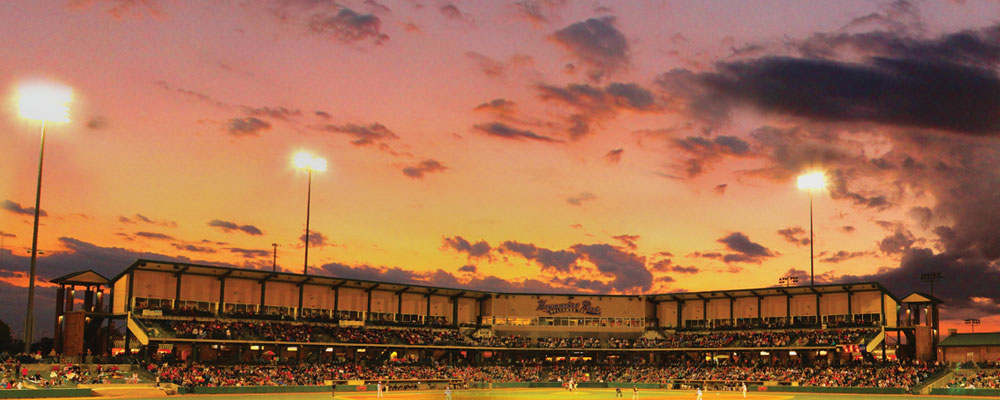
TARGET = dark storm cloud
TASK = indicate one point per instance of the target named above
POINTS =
(720, 189)
(316, 239)
(497, 106)
(792, 235)
(579, 199)
(249, 253)
(597, 100)
(424, 167)
(922, 215)
(614, 156)
(964, 296)
(745, 249)
(703, 151)
(17, 209)
(501, 130)
(363, 135)
(627, 240)
(597, 43)
(900, 92)
(559, 260)
(248, 126)
(154, 235)
(467, 268)
(684, 270)
(592, 104)
(228, 226)
(898, 242)
(473, 250)
(347, 26)
(627, 270)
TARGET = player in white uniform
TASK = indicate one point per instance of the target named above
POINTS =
(380, 388)
(447, 393)
(699, 394)
(635, 393)
(743, 388)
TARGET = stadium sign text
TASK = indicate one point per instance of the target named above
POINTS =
(584, 307)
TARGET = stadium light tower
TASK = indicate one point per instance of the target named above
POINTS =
(45, 102)
(308, 162)
(931, 277)
(972, 322)
(788, 280)
(811, 182)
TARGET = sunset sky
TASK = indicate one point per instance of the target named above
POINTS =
(534, 145)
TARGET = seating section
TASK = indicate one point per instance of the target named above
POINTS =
(283, 331)
(859, 374)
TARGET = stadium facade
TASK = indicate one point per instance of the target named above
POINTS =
(149, 300)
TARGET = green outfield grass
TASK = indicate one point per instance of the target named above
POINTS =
(562, 394)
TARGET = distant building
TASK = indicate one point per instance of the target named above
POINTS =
(969, 347)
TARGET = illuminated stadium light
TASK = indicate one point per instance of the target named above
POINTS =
(823, 352)
(361, 350)
(812, 181)
(764, 353)
(792, 353)
(254, 347)
(329, 350)
(44, 101)
(307, 161)
(293, 348)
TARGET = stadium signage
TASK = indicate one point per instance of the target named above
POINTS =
(584, 307)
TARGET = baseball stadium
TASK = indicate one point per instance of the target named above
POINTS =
(178, 329)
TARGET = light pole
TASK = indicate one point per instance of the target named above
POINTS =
(788, 280)
(42, 102)
(310, 163)
(274, 263)
(972, 322)
(931, 277)
(810, 182)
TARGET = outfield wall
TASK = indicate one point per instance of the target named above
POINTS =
(44, 393)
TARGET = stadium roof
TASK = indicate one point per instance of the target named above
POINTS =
(83, 278)
(971, 339)
(921, 298)
(325, 280)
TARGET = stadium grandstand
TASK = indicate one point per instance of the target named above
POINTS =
(190, 327)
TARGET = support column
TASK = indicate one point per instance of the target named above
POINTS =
(263, 292)
(427, 316)
(788, 309)
(88, 299)
(298, 312)
(369, 306)
(881, 297)
(399, 307)
(732, 306)
(819, 317)
(680, 313)
(60, 294)
(454, 310)
(336, 302)
(177, 291)
(760, 300)
(850, 309)
(222, 296)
